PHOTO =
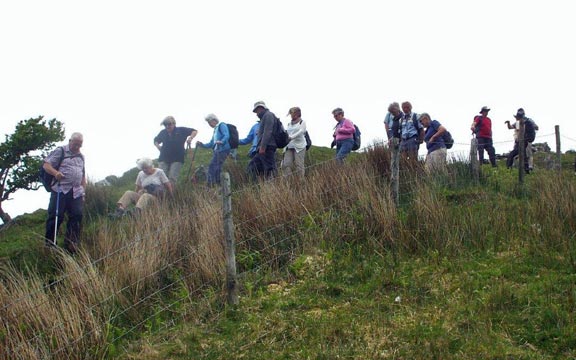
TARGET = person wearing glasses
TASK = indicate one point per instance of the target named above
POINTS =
(343, 135)
(170, 143)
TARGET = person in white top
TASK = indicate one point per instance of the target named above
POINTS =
(151, 183)
(295, 151)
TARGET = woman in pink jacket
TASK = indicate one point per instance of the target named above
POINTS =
(343, 135)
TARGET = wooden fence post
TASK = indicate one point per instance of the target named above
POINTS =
(521, 151)
(395, 170)
(230, 246)
(558, 148)
(474, 162)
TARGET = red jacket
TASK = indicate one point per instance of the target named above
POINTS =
(485, 130)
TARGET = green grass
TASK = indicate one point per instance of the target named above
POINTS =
(469, 271)
(351, 304)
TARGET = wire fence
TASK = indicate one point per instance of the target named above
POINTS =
(277, 249)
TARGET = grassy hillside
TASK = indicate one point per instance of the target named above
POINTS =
(329, 268)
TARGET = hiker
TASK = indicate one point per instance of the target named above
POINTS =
(263, 164)
(411, 132)
(530, 128)
(343, 135)
(251, 138)
(482, 128)
(393, 116)
(436, 156)
(170, 143)
(67, 195)
(220, 145)
(151, 184)
(295, 151)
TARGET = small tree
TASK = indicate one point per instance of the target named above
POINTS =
(21, 155)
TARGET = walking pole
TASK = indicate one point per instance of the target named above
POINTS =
(57, 211)
(191, 175)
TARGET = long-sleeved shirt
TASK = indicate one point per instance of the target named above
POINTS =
(266, 129)
(251, 138)
(221, 133)
(296, 130)
(344, 130)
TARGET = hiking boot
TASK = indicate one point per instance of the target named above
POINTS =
(134, 212)
(117, 214)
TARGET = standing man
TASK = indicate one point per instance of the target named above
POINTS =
(264, 161)
(391, 117)
(220, 143)
(482, 128)
(66, 164)
(530, 128)
(343, 135)
(411, 132)
(170, 142)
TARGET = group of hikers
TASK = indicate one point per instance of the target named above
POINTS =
(404, 129)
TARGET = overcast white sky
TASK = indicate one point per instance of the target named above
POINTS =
(114, 69)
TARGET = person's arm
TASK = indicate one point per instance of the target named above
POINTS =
(248, 139)
(50, 170)
(347, 128)
(474, 122)
(158, 141)
(169, 187)
(438, 134)
(267, 123)
(192, 135)
(301, 130)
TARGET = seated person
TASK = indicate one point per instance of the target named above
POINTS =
(151, 183)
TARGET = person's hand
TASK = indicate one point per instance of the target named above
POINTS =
(59, 176)
(198, 143)
(219, 142)
(262, 151)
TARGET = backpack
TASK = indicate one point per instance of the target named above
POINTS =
(529, 130)
(357, 139)
(479, 124)
(45, 178)
(448, 139)
(280, 135)
(307, 137)
(233, 140)
(308, 141)
(233, 135)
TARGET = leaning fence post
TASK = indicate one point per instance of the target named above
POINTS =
(230, 246)
(474, 162)
(521, 152)
(395, 171)
(558, 149)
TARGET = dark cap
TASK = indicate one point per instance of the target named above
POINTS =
(484, 108)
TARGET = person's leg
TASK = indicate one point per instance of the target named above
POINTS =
(145, 201)
(491, 152)
(174, 172)
(345, 147)
(269, 162)
(51, 227)
(481, 146)
(526, 163)
(288, 162)
(255, 167)
(221, 156)
(128, 198)
(74, 209)
(299, 162)
(511, 156)
(530, 156)
(164, 166)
